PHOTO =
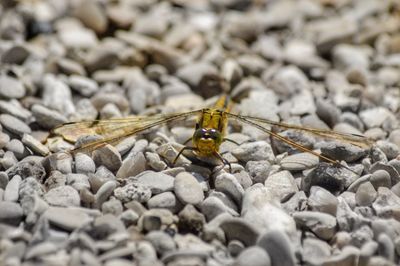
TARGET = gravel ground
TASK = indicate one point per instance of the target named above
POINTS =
(330, 64)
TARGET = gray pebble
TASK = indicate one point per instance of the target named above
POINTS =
(282, 184)
(11, 88)
(322, 200)
(101, 176)
(18, 149)
(299, 161)
(128, 217)
(63, 196)
(11, 212)
(187, 189)
(113, 206)
(191, 220)
(132, 166)
(386, 247)
(35, 145)
(107, 156)
(322, 224)
(11, 192)
(15, 108)
(4, 139)
(365, 194)
(315, 250)
(162, 242)
(211, 207)
(155, 162)
(3, 180)
(157, 182)
(255, 256)
(229, 185)
(105, 225)
(380, 178)
(133, 191)
(254, 151)
(8, 160)
(342, 151)
(14, 125)
(104, 192)
(278, 247)
(166, 200)
(258, 170)
(41, 249)
(83, 85)
(47, 118)
(240, 229)
(84, 164)
(348, 256)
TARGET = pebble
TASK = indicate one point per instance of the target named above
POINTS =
(156, 182)
(11, 192)
(165, 200)
(322, 224)
(35, 145)
(258, 170)
(322, 200)
(133, 191)
(380, 178)
(278, 247)
(315, 250)
(187, 189)
(299, 161)
(239, 229)
(191, 220)
(47, 118)
(107, 156)
(63, 196)
(365, 194)
(254, 151)
(282, 184)
(114, 207)
(10, 87)
(211, 207)
(84, 164)
(348, 256)
(14, 125)
(83, 85)
(254, 255)
(11, 212)
(229, 185)
(104, 192)
(132, 166)
(161, 241)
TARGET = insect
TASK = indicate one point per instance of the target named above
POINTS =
(208, 135)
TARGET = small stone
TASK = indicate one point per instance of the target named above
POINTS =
(157, 182)
(129, 217)
(166, 200)
(85, 86)
(255, 256)
(192, 73)
(380, 178)
(348, 256)
(63, 196)
(14, 125)
(17, 148)
(211, 207)
(41, 249)
(8, 160)
(365, 194)
(84, 164)
(105, 225)
(108, 156)
(92, 15)
(315, 250)
(299, 161)
(112, 206)
(162, 242)
(133, 191)
(104, 192)
(278, 247)
(375, 117)
(187, 189)
(70, 67)
(322, 200)
(282, 184)
(47, 118)
(254, 151)
(191, 220)
(132, 166)
(35, 145)
(322, 224)
(11, 192)
(229, 185)
(342, 151)
(240, 229)
(11, 212)
(11, 88)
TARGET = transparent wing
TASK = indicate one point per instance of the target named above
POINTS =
(354, 139)
(260, 124)
(112, 131)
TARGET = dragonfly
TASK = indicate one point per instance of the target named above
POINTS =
(209, 133)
